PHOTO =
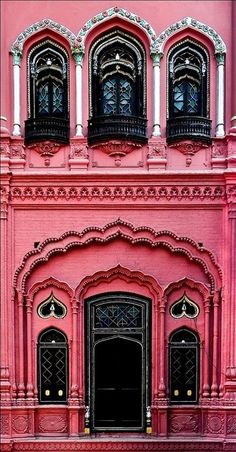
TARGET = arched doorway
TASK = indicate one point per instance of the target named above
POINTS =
(118, 361)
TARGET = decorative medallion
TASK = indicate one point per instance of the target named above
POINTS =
(52, 307)
(184, 307)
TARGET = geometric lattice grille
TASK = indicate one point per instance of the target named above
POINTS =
(57, 98)
(176, 368)
(190, 366)
(47, 367)
(60, 366)
(43, 99)
(118, 316)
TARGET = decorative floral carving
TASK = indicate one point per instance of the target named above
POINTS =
(157, 151)
(189, 149)
(4, 150)
(214, 423)
(46, 149)
(79, 151)
(17, 46)
(18, 151)
(231, 424)
(117, 149)
(153, 192)
(184, 423)
(52, 423)
(21, 423)
(4, 424)
(218, 42)
(116, 12)
(231, 193)
(218, 150)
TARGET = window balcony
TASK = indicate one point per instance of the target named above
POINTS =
(190, 128)
(40, 129)
(131, 128)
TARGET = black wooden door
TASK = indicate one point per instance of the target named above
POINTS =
(118, 383)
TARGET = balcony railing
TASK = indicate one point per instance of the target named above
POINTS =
(186, 127)
(131, 128)
(38, 129)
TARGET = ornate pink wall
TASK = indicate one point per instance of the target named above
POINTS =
(154, 220)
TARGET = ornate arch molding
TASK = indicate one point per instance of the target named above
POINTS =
(46, 283)
(122, 273)
(188, 22)
(18, 44)
(111, 13)
(118, 229)
(201, 288)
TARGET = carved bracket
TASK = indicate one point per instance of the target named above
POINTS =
(189, 149)
(117, 149)
(46, 149)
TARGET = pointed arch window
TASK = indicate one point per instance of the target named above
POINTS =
(188, 92)
(52, 367)
(117, 88)
(184, 366)
(48, 93)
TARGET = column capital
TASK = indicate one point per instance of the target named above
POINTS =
(78, 54)
(220, 58)
(156, 57)
(17, 55)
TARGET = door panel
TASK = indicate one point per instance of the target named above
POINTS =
(118, 383)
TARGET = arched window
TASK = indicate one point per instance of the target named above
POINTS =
(52, 367)
(188, 89)
(48, 94)
(184, 364)
(117, 88)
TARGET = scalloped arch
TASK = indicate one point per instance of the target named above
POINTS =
(121, 13)
(18, 44)
(49, 282)
(209, 32)
(204, 291)
(119, 229)
(122, 273)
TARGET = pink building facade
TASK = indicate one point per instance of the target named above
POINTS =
(118, 225)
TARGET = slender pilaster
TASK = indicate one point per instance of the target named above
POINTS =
(20, 306)
(162, 351)
(206, 382)
(233, 64)
(16, 93)
(215, 363)
(220, 131)
(74, 351)
(4, 355)
(29, 386)
(156, 94)
(81, 347)
(78, 56)
(231, 340)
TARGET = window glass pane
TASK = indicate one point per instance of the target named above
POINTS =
(193, 98)
(125, 97)
(109, 97)
(179, 98)
(43, 98)
(57, 98)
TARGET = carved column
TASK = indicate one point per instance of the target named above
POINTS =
(80, 352)
(17, 55)
(156, 93)
(29, 386)
(162, 351)
(20, 308)
(233, 63)
(74, 351)
(216, 361)
(231, 306)
(4, 321)
(206, 382)
(220, 131)
(78, 54)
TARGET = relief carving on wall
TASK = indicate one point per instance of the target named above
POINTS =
(4, 424)
(46, 149)
(18, 151)
(79, 151)
(214, 423)
(157, 151)
(231, 424)
(53, 423)
(189, 149)
(117, 149)
(21, 423)
(184, 423)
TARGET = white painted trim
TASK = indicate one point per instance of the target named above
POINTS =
(156, 100)
(78, 90)
(220, 132)
(16, 113)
